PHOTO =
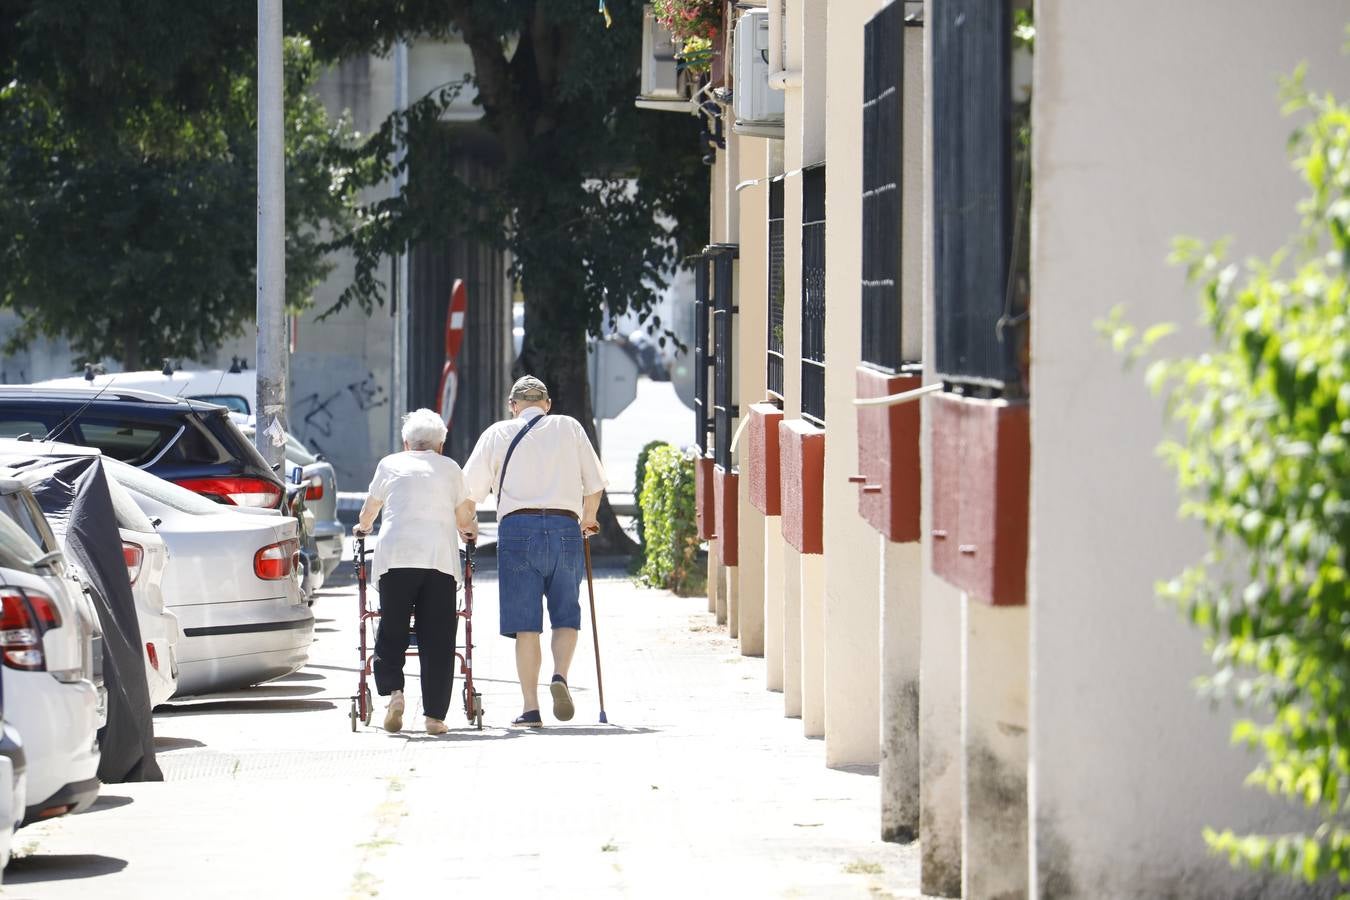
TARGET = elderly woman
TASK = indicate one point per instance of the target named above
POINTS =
(424, 500)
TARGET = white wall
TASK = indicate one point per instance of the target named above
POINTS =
(1151, 119)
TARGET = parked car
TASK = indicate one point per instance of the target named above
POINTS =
(231, 581)
(146, 557)
(189, 442)
(320, 497)
(13, 780)
(232, 388)
(17, 503)
(48, 694)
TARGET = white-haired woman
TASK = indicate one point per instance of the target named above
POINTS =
(425, 503)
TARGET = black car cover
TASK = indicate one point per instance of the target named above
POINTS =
(73, 494)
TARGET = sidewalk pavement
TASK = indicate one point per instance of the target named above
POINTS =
(699, 785)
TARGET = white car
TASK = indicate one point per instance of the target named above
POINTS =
(231, 582)
(147, 559)
(13, 781)
(49, 696)
(234, 390)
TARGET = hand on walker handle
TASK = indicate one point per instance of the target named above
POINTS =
(469, 535)
(359, 532)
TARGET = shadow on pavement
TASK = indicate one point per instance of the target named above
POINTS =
(60, 867)
(299, 676)
(108, 801)
(249, 706)
(588, 729)
(169, 744)
(469, 735)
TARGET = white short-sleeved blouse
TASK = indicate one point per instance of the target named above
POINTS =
(420, 490)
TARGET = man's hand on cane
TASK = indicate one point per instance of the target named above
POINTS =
(590, 514)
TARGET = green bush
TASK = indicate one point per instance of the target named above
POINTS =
(667, 504)
(639, 478)
(1263, 464)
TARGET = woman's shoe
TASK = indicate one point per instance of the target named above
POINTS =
(436, 726)
(393, 716)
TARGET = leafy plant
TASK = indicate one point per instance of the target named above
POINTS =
(1263, 465)
(639, 478)
(667, 503)
(689, 18)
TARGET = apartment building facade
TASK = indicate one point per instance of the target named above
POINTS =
(929, 487)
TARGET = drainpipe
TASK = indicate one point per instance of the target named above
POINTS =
(779, 78)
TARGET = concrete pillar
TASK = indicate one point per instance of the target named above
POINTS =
(731, 587)
(994, 739)
(715, 600)
(901, 570)
(792, 631)
(939, 623)
(813, 644)
(775, 596)
(852, 602)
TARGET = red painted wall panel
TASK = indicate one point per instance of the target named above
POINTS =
(888, 457)
(762, 463)
(725, 505)
(704, 515)
(802, 449)
(981, 487)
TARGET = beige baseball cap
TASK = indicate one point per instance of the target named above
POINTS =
(529, 389)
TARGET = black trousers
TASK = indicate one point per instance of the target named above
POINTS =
(429, 595)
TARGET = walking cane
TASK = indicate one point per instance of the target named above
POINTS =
(595, 632)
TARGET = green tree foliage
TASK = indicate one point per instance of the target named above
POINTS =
(1263, 466)
(667, 501)
(595, 200)
(127, 174)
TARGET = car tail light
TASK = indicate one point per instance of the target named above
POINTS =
(133, 555)
(236, 491)
(152, 655)
(277, 561)
(315, 489)
(20, 632)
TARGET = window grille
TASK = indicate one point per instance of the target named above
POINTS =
(776, 288)
(702, 360)
(882, 152)
(979, 320)
(813, 294)
(722, 309)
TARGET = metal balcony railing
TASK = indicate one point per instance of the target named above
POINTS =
(702, 359)
(777, 287)
(882, 152)
(723, 310)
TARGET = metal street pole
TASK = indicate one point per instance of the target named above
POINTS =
(269, 434)
(399, 379)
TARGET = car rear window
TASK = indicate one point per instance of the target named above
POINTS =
(129, 515)
(26, 514)
(17, 427)
(228, 434)
(127, 440)
(232, 402)
(17, 550)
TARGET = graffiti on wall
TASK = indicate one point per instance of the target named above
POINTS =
(321, 419)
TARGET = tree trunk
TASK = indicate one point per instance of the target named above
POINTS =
(555, 352)
(131, 348)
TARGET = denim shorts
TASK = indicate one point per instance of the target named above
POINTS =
(539, 557)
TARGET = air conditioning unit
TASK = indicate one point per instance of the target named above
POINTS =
(664, 85)
(758, 108)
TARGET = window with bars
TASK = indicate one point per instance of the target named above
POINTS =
(813, 294)
(722, 309)
(883, 67)
(980, 296)
(702, 359)
(776, 288)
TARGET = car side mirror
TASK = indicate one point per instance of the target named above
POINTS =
(297, 475)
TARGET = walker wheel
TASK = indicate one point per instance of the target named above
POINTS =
(478, 721)
(368, 707)
(353, 715)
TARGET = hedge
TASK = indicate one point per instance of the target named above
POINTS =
(667, 504)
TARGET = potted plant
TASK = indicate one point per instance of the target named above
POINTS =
(696, 26)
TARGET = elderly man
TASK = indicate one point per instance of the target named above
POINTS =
(424, 500)
(548, 483)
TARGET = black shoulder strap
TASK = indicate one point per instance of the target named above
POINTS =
(501, 479)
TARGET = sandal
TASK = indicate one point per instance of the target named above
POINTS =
(529, 719)
(563, 710)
